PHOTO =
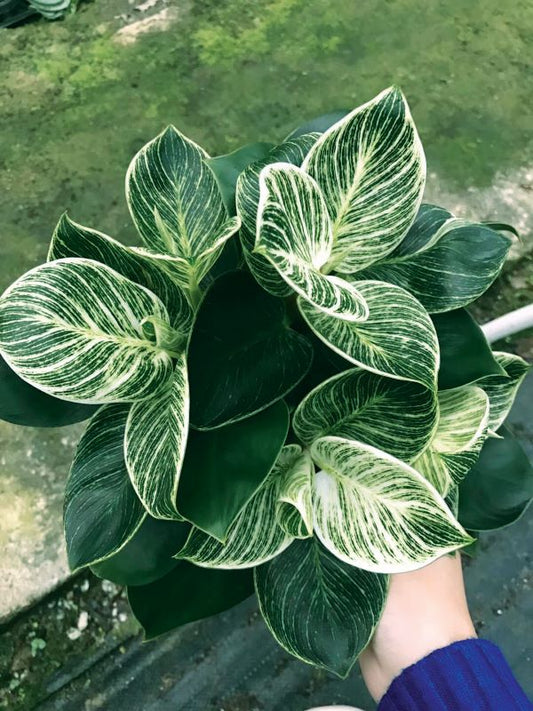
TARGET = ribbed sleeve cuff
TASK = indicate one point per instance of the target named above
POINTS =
(471, 675)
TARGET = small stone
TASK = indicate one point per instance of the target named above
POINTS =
(84, 585)
(499, 612)
(109, 588)
(73, 633)
(83, 621)
(122, 617)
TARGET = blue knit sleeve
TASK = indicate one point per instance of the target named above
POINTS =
(471, 675)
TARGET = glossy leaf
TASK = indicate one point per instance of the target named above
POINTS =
(228, 167)
(294, 234)
(147, 556)
(22, 404)
(498, 488)
(73, 240)
(449, 267)
(465, 355)
(223, 468)
(102, 511)
(318, 608)
(254, 536)
(376, 512)
(294, 505)
(74, 328)
(247, 199)
(186, 594)
(371, 169)
(154, 444)
(176, 204)
(397, 339)
(396, 416)
(457, 441)
(502, 390)
(242, 354)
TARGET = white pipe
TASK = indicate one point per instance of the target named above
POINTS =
(509, 324)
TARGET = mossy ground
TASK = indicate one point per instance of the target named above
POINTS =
(75, 105)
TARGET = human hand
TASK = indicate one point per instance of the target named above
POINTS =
(426, 609)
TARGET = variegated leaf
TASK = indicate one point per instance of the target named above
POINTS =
(452, 500)
(318, 608)
(254, 536)
(176, 204)
(295, 507)
(74, 328)
(502, 390)
(73, 240)
(101, 512)
(156, 435)
(398, 338)
(376, 512)
(292, 151)
(396, 416)
(445, 267)
(371, 169)
(462, 429)
(294, 234)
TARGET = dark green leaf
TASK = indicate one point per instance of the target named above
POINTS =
(224, 467)
(446, 265)
(227, 169)
(147, 556)
(22, 404)
(502, 227)
(465, 354)
(318, 124)
(242, 356)
(498, 488)
(186, 594)
(102, 511)
(318, 608)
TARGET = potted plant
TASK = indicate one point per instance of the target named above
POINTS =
(286, 392)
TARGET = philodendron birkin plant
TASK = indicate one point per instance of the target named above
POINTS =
(286, 393)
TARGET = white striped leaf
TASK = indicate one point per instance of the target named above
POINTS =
(176, 204)
(73, 240)
(154, 444)
(294, 234)
(452, 500)
(376, 512)
(396, 416)
(397, 340)
(101, 512)
(74, 328)
(247, 200)
(460, 434)
(295, 507)
(254, 535)
(502, 390)
(371, 169)
(445, 267)
(318, 608)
